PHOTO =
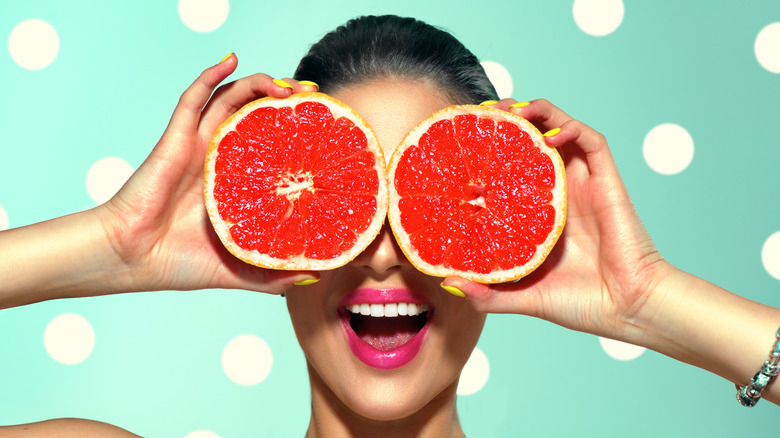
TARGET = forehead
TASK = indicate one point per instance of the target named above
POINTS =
(392, 106)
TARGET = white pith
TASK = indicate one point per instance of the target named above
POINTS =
(293, 185)
(479, 201)
(388, 310)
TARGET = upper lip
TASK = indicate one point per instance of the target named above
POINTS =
(383, 296)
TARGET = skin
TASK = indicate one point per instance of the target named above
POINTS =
(604, 276)
(350, 398)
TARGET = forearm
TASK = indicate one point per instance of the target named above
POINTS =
(60, 258)
(694, 321)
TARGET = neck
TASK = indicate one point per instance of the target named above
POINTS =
(331, 417)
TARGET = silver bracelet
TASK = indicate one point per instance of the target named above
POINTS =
(749, 395)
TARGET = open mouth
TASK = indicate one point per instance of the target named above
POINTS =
(385, 328)
(389, 326)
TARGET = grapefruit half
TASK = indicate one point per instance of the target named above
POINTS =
(476, 193)
(296, 183)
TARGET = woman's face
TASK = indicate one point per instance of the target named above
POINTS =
(388, 367)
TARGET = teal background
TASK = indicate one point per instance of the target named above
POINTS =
(155, 369)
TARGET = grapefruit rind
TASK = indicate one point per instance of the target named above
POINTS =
(222, 227)
(558, 199)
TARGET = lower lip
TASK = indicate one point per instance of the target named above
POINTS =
(384, 360)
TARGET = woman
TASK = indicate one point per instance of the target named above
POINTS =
(604, 277)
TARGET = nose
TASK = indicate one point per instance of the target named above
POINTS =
(383, 255)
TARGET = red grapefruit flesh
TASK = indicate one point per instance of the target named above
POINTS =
(296, 183)
(476, 193)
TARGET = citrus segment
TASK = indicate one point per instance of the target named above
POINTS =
(476, 193)
(296, 183)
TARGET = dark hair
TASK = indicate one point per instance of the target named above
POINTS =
(373, 47)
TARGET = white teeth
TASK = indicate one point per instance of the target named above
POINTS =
(389, 310)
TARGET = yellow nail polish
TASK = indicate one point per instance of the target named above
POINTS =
(227, 57)
(519, 104)
(309, 83)
(306, 282)
(488, 102)
(282, 83)
(552, 132)
(454, 290)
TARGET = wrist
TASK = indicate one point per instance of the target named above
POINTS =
(652, 326)
(697, 322)
(127, 270)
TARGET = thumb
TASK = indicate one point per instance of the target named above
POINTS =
(495, 298)
(272, 281)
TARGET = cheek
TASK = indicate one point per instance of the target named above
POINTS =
(463, 329)
(307, 313)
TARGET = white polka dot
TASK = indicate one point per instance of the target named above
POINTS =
(69, 338)
(33, 44)
(598, 17)
(500, 78)
(770, 255)
(767, 47)
(202, 434)
(621, 350)
(668, 148)
(475, 374)
(247, 360)
(203, 15)
(106, 177)
(3, 219)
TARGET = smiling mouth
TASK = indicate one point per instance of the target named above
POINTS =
(387, 326)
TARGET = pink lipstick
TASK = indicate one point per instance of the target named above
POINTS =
(385, 328)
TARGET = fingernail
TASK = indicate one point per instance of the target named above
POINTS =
(282, 83)
(227, 57)
(488, 102)
(552, 132)
(306, 282)
(454, 290)
(519, 104)
(309, 83)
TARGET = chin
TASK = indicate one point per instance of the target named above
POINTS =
(381, 406)
(400, 395)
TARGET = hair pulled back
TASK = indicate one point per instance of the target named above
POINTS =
(374, 47)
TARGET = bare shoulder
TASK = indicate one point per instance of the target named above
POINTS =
(64, 428)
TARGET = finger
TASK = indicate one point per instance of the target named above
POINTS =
(302, 86)
(496, 298)
(186, 115)
(543, 114)
(505, 104)
(230, 97)
(575, 134)
(279, 282)
(270, 281)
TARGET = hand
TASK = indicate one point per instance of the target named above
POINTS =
(604, 266)
(606, 277)
(157, 223)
